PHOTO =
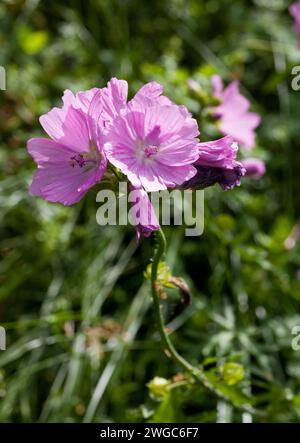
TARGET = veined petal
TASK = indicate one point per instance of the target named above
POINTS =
(119, 92)
(59, 178)
(149, 95)
(168, 118)
(52, 122)
(150, 180)
(56, 183)
(175, 175)
(75, 131)
(84, 98)
(178, 153)
(45, 150)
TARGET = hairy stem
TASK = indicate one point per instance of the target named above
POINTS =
(195, 372)
(167, 344)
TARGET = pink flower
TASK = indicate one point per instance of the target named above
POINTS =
(109, 102)
(233, 113)
(143, 214)
(53, 121)
(217, 163)
(113, 99)
(255, 168)
(153, 143)
(294, 10)
(72, 161)
(148, 95)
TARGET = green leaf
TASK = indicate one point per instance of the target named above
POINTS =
(165, 412)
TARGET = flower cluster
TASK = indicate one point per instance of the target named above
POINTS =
(149, 139)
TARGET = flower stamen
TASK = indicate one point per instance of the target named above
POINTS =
(86, 159)
(150, 150)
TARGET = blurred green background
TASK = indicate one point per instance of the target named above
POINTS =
(81, 339)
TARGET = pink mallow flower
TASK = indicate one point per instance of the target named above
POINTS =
(142, 213)
(294, 10)
(72, 161)
(112, 101)
(233, 113)
(154, 143)
(217, 163)
(255, 168)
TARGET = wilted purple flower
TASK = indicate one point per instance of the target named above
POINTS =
(217, 164)
(143, 214)
(154, 144)
(294, 10)
(255, 168)
(233, 112)
(73, 161)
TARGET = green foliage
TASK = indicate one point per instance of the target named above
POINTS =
(81, 338)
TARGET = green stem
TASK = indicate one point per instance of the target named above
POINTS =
(168, 345)
(116, 172)
(169, 349)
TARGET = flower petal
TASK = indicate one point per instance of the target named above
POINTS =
(75, 131)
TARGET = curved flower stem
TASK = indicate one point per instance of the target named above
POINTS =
(195, 372)
(168, 346)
